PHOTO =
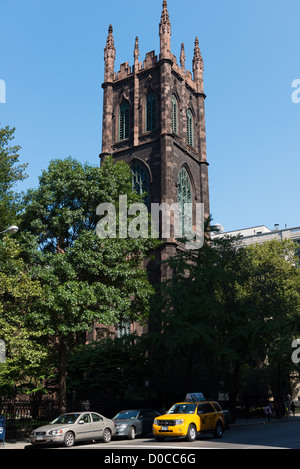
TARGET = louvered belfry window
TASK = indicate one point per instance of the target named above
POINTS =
(151, 112)
(184, 196)
(174, 115)
(190, 130)
(124, 121)
(141, 181)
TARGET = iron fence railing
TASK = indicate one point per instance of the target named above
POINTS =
(22, 416)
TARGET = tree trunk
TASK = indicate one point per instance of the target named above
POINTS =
(63, 379)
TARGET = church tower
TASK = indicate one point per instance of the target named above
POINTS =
(154, 120)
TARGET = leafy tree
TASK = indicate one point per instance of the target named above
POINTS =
(271, 291)
(186, 314)
(112, 368)
(10, 173)
(227, 310)
(85, 279)
(18, 293)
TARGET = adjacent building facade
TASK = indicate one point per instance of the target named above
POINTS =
(260, 234)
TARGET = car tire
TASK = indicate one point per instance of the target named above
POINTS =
(131, 433)
(69, 439)
(218, 431)
(191, 433)
(107, 435)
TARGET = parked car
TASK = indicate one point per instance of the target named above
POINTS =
(73, 427)
(130, 423)
(188, 419)
(228, 418)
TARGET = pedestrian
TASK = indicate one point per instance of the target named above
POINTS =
(268, 412)
(293, 408)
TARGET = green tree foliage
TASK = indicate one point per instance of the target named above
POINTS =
(85, 279)
(271, 292)
(10, 173)
(227, 310)
(18, 293)
(112, 368)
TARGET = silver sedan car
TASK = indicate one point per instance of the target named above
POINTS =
(73, 427)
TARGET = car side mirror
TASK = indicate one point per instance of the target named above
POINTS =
(81, 422)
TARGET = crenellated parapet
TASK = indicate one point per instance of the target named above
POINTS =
(193, 79)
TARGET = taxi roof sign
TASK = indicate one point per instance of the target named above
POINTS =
(194, 396)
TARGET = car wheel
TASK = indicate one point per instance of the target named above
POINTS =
(69, 439)
(106, 435)
(131, 433)
(218, 432)
(191, 433)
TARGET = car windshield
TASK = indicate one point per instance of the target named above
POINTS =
(127, 415)
(182, 409)
(65, 418)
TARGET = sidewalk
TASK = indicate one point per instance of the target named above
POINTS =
(261, 420)
(21, 444)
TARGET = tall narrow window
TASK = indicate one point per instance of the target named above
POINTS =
(123, 329)
(141, 181)
(124, 121)
(174, 115)
(190, 130)
(151, 112)
(184, 196)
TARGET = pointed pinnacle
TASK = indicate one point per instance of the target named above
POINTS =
(165, 15)
(136, 47)
(110, 39)
(182, 56)
(197, 52)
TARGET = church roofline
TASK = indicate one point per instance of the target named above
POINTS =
(151, 60)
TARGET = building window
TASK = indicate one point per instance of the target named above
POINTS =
(141, 182)
(151, 112)
(174, 115)
(123, 329)
(190, 129)
(124, 121)
(184, 196)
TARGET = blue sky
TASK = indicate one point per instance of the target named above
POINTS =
(51, 60)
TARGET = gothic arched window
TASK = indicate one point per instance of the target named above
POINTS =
(174, 114)
(184, 196)
(190, 129)
(151, 112)
(124, 121)
(141, 181)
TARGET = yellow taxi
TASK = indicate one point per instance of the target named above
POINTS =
(188, 419)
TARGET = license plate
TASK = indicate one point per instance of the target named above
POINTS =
(39, 438)
(164, 428)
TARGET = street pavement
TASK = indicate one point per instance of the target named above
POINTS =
(22, 444)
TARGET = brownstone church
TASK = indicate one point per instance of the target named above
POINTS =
(154, 120)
